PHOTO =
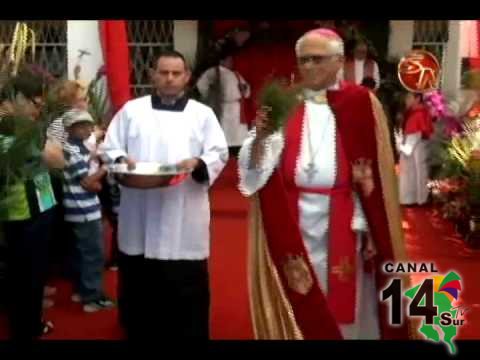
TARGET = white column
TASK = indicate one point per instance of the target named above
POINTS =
(453, 61)
(468, 38)
(401, 38)
(84, 35)
(185, 36)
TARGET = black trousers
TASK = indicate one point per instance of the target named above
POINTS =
(26, 273)
(161, 299)
(114, 252)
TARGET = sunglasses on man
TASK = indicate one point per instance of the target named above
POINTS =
(316, 59)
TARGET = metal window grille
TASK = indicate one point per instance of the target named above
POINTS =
(432, 35)
(146, 39)
(51, 43)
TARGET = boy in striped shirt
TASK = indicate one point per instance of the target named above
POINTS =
(83, 212)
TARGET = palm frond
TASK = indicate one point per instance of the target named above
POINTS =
(99, 106)
(281, 100)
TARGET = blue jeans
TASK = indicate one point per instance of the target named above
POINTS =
(88, 259)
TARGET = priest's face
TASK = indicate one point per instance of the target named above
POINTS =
(317, 62)
(171, 76)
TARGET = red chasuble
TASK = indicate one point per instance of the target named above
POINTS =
(318, 316)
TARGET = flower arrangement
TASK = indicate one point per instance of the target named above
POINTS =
(456, 188)
(440, 110)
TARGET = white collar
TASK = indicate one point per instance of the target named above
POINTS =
(311, 93)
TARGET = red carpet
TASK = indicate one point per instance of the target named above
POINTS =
(429, 238)
(432, 239)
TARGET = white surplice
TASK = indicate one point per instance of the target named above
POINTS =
(413, 177)
(314, 208)
(235, 131)
(169, 223)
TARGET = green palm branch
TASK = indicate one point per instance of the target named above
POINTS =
(280, 100)
(20, 137)
(99, 106)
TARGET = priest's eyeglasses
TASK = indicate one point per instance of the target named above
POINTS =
(315, 59)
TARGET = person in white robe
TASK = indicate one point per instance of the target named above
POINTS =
(163, 233)
(232, 89)
(413, 146)
(320, 131)
(361, 66)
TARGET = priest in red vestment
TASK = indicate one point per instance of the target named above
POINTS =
(325, 215)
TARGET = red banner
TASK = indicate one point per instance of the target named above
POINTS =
(114, 38)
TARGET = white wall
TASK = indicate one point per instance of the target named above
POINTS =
(401, 38)
(468, 38)
(185, 37)
(84, 35)
(453, 61)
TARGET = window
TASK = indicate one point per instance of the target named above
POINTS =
(432, 36)
(146, 39)
(51, 43)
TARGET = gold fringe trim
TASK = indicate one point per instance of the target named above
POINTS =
(272, 314)
(386, 165)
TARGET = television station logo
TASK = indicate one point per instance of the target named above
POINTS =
(434, 300)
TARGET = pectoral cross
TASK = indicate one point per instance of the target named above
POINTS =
(310, 171)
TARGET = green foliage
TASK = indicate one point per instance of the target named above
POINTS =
(280, 100)
(99, 106)
(21, 138)
(459, 157)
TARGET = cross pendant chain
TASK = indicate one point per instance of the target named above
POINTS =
(310, 170)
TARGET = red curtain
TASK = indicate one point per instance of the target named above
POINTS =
(478, 36)
(116, 55)
(475, 63)
(222, 27)
(261, 62)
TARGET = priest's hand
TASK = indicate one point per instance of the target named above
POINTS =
(188, 165)
(263, 124)
(263, 129)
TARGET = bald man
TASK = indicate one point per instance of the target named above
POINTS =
(325, 208)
